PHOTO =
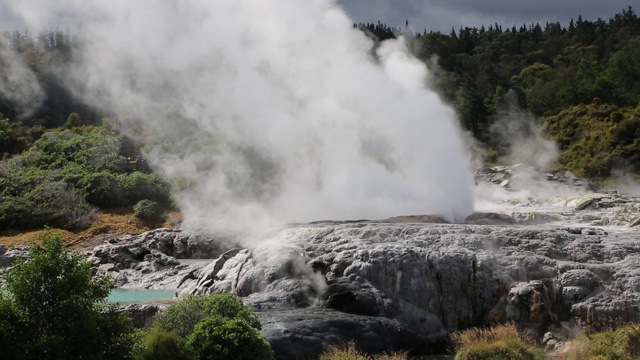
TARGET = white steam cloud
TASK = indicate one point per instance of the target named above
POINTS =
(18, 84)
(525, 138)
(273, 110)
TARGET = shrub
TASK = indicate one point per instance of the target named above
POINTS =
(96, 150)
(102, 189)
(54, 309)
(160, 344)
(622, 344)
(147, 210)
(73, 120)
(50, 203)
(138, 186)
(216, 327)
(183, 316)
(219, 338)
(596, 139)
(56, 180)
(502, 342)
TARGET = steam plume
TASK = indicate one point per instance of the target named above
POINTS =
(273, 110)
(18, 83)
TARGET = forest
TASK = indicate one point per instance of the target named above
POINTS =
(579, 82)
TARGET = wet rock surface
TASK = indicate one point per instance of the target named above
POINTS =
(429, 279)
(152, 260)
(404, 283)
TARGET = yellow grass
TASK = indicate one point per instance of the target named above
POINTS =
(474, 335)
(498, 343)
(115, 222)
(351, 352)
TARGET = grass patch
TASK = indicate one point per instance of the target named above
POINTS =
(502, 342)
(118, 221)
(351, 352)
(621, 344)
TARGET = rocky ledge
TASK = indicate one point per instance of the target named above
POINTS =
(392, 286)
(548, 264)
(314, 285)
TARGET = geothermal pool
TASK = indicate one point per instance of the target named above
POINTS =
(139, 295)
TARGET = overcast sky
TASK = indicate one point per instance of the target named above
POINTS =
(442, 15)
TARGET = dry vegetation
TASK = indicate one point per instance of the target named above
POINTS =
(351, 352)
(500, 342)
(622, 344)
(120, 221)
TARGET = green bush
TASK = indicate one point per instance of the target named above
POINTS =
(183, 316)
(49, 203)
(73, 120)
(160, 344)
(597, 139)
(53, 309)
(139, 186)
(102, 189)
(215, 327)
(65, 174)
(622, 344)
(218, 338)
(95, 149)
(147, 210)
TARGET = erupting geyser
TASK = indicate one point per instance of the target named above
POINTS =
(272, 110)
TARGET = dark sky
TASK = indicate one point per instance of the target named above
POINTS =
(442, 15)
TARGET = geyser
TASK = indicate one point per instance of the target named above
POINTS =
(269, 110)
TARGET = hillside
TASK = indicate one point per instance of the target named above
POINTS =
(112, 222)
(65, 162)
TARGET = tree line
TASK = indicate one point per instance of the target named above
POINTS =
(580, 80)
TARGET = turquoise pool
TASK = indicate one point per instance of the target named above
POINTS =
(129, 296)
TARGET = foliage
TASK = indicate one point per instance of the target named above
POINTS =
(73, 120)
(138, 186)
(223, 338)
(502, 342)
(54, 310)
(32, 198)
(67, 174)
(183, 316)
(551, 68)
(147, 210)
(160, 344)
(622, 344)
(215, 327)
(16, 138)
(380, 31)
(596, 139)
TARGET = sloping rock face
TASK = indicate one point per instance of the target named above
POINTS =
(151, 260)
(392, 285)
(429, 279)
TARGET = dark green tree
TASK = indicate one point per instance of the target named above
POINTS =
(183, 316)
(216, 338)
(54, 309)
(160, 344)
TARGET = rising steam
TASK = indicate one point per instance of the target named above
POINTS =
(18, 84)
(268, 110)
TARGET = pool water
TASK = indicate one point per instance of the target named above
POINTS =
(142, 295)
